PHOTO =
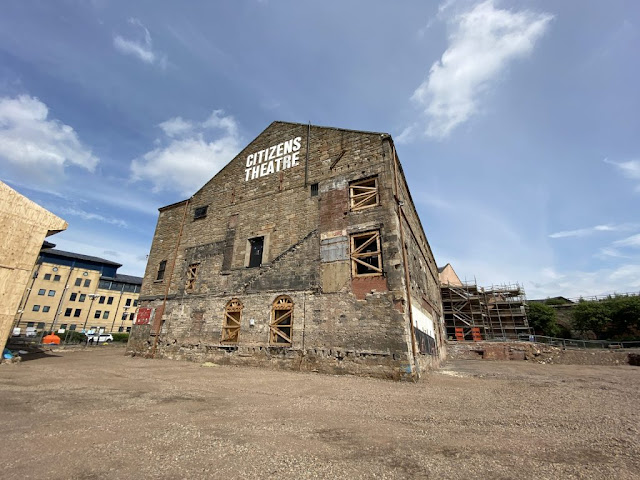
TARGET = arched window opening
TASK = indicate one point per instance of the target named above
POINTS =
(231, 322)
(281, 325)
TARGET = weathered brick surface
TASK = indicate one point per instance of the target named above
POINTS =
(340, 324)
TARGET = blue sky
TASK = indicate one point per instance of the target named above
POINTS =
(516, 122)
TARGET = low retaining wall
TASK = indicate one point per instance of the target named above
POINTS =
(536, 352)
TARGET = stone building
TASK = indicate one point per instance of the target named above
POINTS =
(74, 292)
(292, 256)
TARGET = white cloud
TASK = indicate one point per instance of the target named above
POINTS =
(185, 163)
(484, 40)
(32, 141)
(632, 241)
(91, 216)
(583, 232)
(175, 127)
(630, 169)
(141, 47)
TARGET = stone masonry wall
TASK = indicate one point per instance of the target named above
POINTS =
(340, 324)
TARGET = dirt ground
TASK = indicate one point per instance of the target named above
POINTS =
(95, 413)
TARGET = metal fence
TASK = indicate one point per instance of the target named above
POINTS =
(583, 344)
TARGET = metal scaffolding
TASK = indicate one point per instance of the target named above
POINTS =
(498, 312)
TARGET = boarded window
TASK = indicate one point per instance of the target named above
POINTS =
(192, 274)
(281, 321)
(363, 193)
(200, 212)
(231, 322)
(161, 268)
(255, 255)
(366, 254)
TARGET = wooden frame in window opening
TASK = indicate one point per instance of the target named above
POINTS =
(363, 194)
(162, 266)
(192, 275)
(281, 326)
(231, 322)
(366, 254)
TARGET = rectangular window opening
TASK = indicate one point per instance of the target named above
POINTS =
(101, 299)
(67, 312)
(161, 268)
(47, 276)
(46, 308)
(56, 278)
(257, 247)
(77, 312)
(200, 212)
(97, 314)
(78, 282)
(36, 308)
(87, 282)
(314, 189)
(192, 275)
(366, 254)
(109, 300)
(363, 193)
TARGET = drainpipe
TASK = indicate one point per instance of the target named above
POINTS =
(166, 291)
(407, 278)
(306, 162)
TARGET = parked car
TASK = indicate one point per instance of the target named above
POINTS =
(99, 338)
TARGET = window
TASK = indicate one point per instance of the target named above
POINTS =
(128, 302)
(73, 326)
(46, 308)
(120, 329)
(52, 293)
(47, 276)
(87, 282)
(366, 255)
(56, 278)
(42, 291)
(77, 312)
(281, 321)
(72, 297)
(101, 299)
(36, 308)
(128, 329)
(78, 282)
(63, 326)
(161, 268)
(67, 312)
(255, 257)
(200, 212)
(30, 324)
(192, 273)
(109, 300)
(105, 315)
(314, 189)
(231, 322)
(82, 297)
(135, 303)
(131, 315)
(40, 325)
(97, 314)
(124, 316)
(363, 193)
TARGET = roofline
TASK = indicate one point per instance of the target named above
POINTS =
(328, 128)
(166, 207)
(79, 256)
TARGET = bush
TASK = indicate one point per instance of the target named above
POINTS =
(120, 337)
(72, 336)
(542, 318)
(615, 317)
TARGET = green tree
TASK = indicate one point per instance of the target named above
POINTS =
(542, 318)
(625, 316)
(592, 316)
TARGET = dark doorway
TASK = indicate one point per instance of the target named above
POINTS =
(257, 245)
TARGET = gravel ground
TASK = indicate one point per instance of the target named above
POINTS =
(98, 414)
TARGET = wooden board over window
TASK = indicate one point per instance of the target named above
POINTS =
(281, 325)
(364, 193)
(192, 275)
(366, 254)
(231, 322)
